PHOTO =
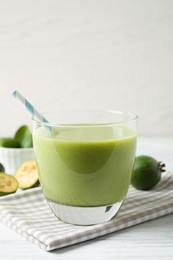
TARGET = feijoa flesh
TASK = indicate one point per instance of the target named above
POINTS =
(27, 174)
(8, 184)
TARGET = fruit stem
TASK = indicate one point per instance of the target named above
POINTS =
(162, 166)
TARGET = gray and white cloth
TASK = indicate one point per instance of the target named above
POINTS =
(28, 214)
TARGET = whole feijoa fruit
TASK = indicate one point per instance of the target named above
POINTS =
(147, 172)
(24, 137)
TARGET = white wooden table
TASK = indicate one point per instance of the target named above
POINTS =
(152, 240)
(92, 53)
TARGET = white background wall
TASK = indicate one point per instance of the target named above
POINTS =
(111, 54)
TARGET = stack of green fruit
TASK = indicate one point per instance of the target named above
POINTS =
(26, 174)
(22, 139)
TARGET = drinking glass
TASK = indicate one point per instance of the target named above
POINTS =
(85, 161)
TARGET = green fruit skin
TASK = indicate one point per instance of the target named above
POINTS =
(34, 185)
(2, 168)
(27, 143)
(24, 137)
(6, 193)
(9, 142)
(146, 173)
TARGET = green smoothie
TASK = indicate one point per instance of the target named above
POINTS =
(85, 166)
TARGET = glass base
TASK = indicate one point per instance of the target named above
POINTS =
(84, 215)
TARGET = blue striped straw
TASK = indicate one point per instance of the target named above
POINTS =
(29, 107)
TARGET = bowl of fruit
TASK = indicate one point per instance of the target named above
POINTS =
(17, 149)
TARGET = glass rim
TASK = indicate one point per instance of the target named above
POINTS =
(131, 117)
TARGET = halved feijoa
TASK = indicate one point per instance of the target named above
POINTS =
(27, 175)
(24, 137)
(8, 184)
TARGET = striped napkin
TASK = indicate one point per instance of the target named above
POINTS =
(28, 214)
